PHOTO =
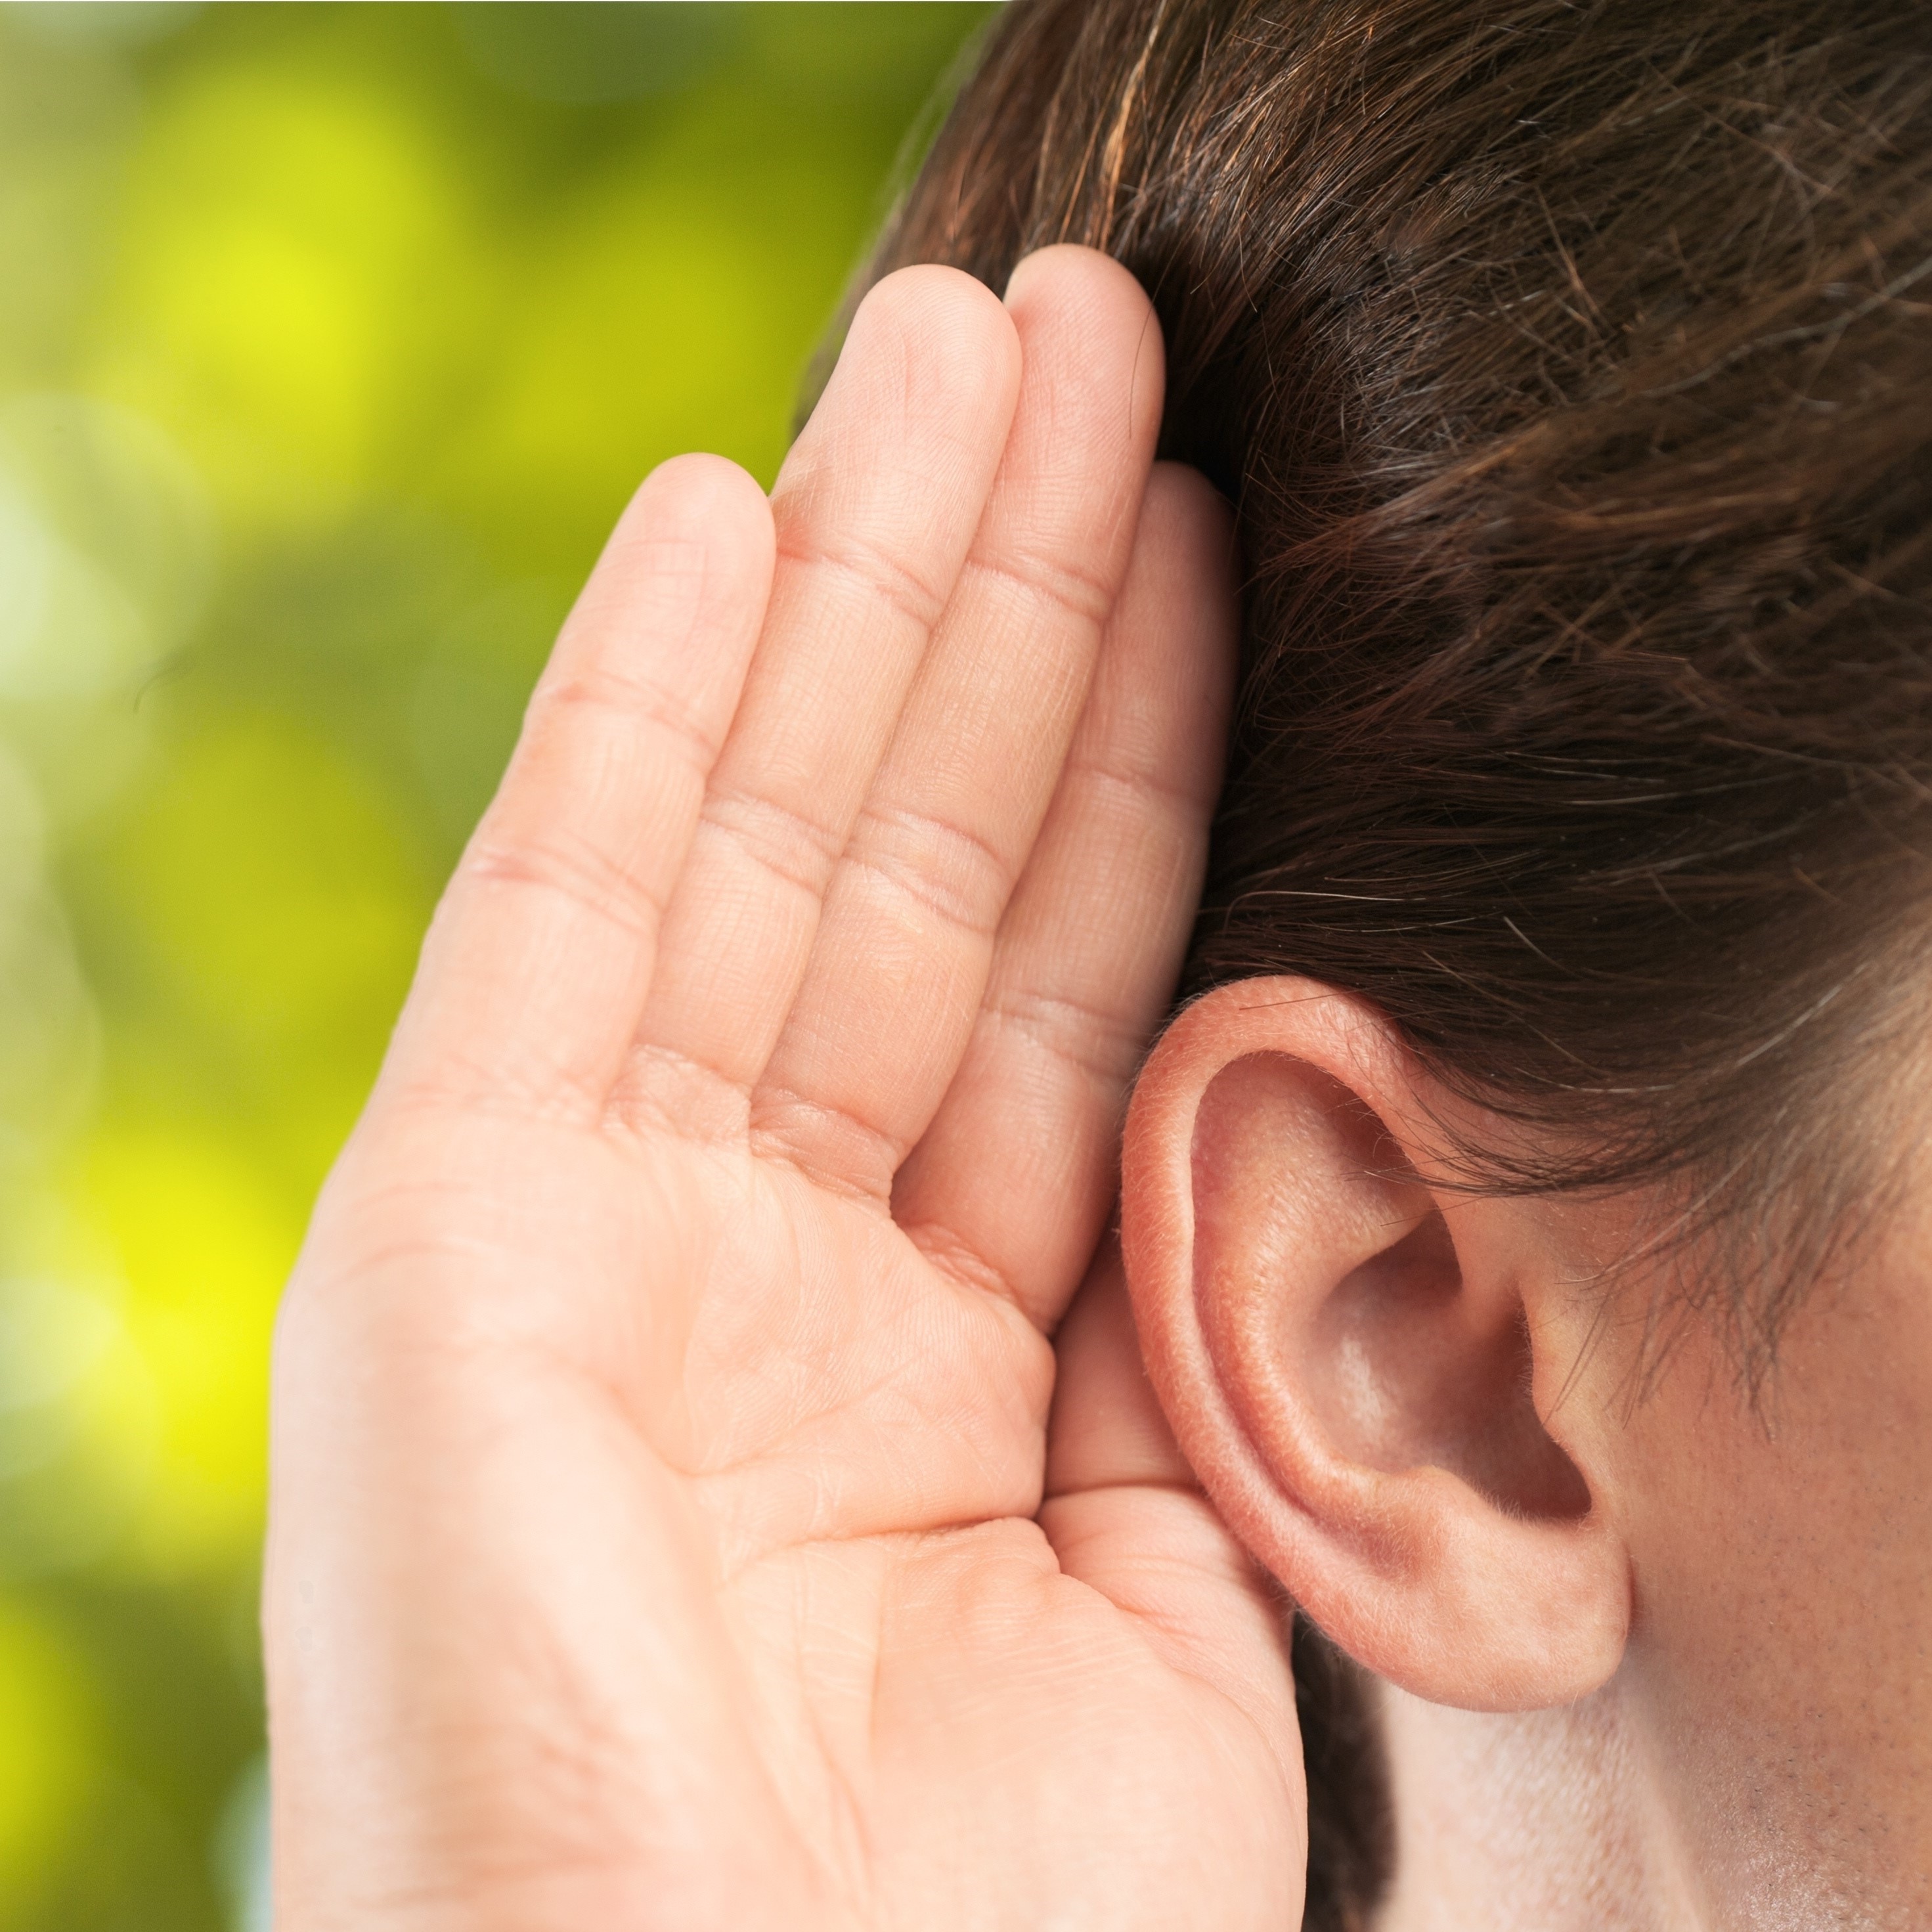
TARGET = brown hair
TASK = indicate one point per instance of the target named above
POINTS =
(1569, 364)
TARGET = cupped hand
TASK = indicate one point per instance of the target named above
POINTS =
(667, 1527)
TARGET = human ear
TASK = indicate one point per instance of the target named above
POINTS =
(1362, 1364)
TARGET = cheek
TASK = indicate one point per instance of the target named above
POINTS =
(1782, 1646)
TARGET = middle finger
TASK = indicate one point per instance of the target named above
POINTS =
(906, 935)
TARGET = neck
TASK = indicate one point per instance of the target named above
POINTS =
(1542, 1822)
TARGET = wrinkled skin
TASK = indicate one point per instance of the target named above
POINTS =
(674, 1520)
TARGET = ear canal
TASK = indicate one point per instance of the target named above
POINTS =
(1400, 1361)
(1348, 1354)
(1405, 1375)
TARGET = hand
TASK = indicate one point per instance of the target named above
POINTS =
(667, 1531)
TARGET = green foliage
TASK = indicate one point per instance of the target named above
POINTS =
(332, 339)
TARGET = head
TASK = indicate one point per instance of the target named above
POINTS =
(1526, 1212)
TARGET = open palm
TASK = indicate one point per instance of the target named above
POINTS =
(675, 1520)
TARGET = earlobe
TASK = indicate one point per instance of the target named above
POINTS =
(1347, 1352)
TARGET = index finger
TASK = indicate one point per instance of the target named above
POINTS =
(541, 951)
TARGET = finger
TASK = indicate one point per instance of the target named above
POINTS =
(537, 961)
(1126, 1516)
(1014, 1178)
(1106, 1429)
(902, 952)
(875, 508)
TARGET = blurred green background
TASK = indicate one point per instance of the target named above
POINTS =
(332, 339)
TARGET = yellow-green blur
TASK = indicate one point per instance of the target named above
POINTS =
(332, 340)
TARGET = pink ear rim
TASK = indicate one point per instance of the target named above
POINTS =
(1420, 1578)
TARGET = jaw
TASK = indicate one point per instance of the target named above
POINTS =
(1539, 1821)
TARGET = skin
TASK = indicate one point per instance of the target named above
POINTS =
(718, 1479)
(662, 1533)
(1649, 1657)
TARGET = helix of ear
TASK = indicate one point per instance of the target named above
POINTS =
(1354, 1357)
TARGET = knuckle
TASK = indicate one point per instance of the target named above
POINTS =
(1094, 1041)
(601, 690)
(833, 1147)
(947, 869)
(1067, 587)
(791, 844)
(1140, 790)
(570, 870)
(875, 573)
